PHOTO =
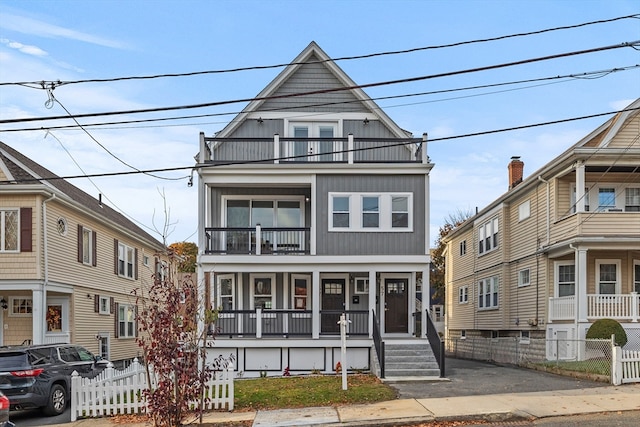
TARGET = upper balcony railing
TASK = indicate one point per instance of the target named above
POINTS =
(257, 240)
(279, 149)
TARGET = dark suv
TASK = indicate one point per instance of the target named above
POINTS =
(39, 376)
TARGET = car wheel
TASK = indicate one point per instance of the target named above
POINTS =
(57, 401)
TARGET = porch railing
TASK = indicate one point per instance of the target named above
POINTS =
(378, 343)
(286, 323)
(257, 240)
(599, 306)
(436, 342)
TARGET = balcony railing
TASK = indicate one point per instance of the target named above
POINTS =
(286, 323)
(599, 306)
(280, 149)
(234, 240)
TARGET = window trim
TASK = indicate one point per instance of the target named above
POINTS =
(488, 235)
(463, 294)
(489, 287)
(364, 283)
(631, 207)
(126, 250)
(220, 295)
(525, 337)
(3, 212)
(87, 250)
(617, 284)
(107, 308)
(11, 311)
(385, 212)
(295, 296)
(524, 210)
(521, 282)
(463, 247)
(556, 278)
(134, 310)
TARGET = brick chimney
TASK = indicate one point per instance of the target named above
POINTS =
(516, 169)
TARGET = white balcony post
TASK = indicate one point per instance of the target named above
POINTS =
(202, 157)
(350, 149)
(551, 310)
(315, 305)
(258, 323)
(276, 148)
(372, 300)
(425, 158)
(635, 302)
(581, 285)
(580, 196)
(258, 239)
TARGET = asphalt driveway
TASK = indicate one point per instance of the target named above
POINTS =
(472, 378)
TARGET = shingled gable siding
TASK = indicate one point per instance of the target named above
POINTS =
(26, 225)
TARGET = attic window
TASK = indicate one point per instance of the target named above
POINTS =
(62, 226)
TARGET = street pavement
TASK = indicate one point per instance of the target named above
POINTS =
(472, 391)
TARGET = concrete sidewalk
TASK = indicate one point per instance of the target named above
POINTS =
(494, 407)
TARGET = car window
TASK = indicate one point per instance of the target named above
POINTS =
(38, 356)
(85, 355)
(13, 360)
(69, 354)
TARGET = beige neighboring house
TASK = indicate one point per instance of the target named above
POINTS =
(559, 250)
(68, 263)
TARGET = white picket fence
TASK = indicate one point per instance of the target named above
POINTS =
(115, 392)
(626, 366)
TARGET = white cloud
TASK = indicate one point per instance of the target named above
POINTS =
(26, 49)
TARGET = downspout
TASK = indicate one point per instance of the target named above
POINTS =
(545, 244)
(577, 281)
(45, 262)
(547, 209)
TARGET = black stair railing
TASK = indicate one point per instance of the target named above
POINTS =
(437, 344)
(378, 343)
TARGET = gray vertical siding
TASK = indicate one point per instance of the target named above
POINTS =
(388, 152)
(371, 243)
(251, 150)
(313, 77)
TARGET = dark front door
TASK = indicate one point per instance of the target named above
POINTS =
(332, 304)
(396, 300)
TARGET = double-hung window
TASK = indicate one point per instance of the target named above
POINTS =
(488, 293)
(606, 198)
(263, 292)
(9, 229)
(463, 294)
(632, 199)
(126, 321)
(87, 246)
(225, 291)
(636, 276)
(366, 212)
(566, 279)
(463, 248)
(488, 236)
(607, 276)
(524, 278)
(126, 260)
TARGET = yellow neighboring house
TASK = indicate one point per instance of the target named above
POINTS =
(559, 250)
(68, 263)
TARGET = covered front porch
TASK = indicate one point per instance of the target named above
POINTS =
(621, 307)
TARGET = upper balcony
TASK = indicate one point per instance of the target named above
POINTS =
(257, 241)
(287, 150)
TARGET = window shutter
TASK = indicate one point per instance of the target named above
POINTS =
(115, 256)
(207, 289)
(79, 243)
(95, 249)
(112, 304)
(117, 331)
(25, 230)
(96, 303)
(135, 264)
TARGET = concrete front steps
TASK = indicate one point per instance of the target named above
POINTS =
(404, 360)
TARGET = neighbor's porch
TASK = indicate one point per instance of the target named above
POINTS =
(621, 307)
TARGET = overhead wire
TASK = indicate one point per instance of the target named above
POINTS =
(42, 84)
(284, 158)
(549, 80)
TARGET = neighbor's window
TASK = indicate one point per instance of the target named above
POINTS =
(104, 305)
(636, 276)
(524, 277)
(9, 230)
(524, 210)
(126, 321)
(20, 306)
(463, 248)
(126, 255)
(488, 293)
(488, 236)
(525, 337)
(607, 276)
(463, 294)
(566, 280)
(606, 198)
(87, 242)
(632, 199)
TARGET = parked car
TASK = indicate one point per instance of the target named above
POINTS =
(39, 376)
(4, 411)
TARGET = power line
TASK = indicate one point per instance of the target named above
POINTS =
(339, 89)
(53, 84)
(582, 75)
(244, 162)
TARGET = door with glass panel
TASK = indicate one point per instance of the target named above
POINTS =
(313, 142)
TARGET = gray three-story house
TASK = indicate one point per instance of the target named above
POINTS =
(313, 203)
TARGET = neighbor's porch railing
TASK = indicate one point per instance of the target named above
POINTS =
(261, 323)
(599, 306)
(236, 240)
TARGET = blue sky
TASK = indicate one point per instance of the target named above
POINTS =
(80, 40)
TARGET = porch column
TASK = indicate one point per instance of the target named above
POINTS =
(581, 285)
(635, 302)
(372, 300)
(38, 320)
(580, 197)
(426, 301)
(315, 305)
